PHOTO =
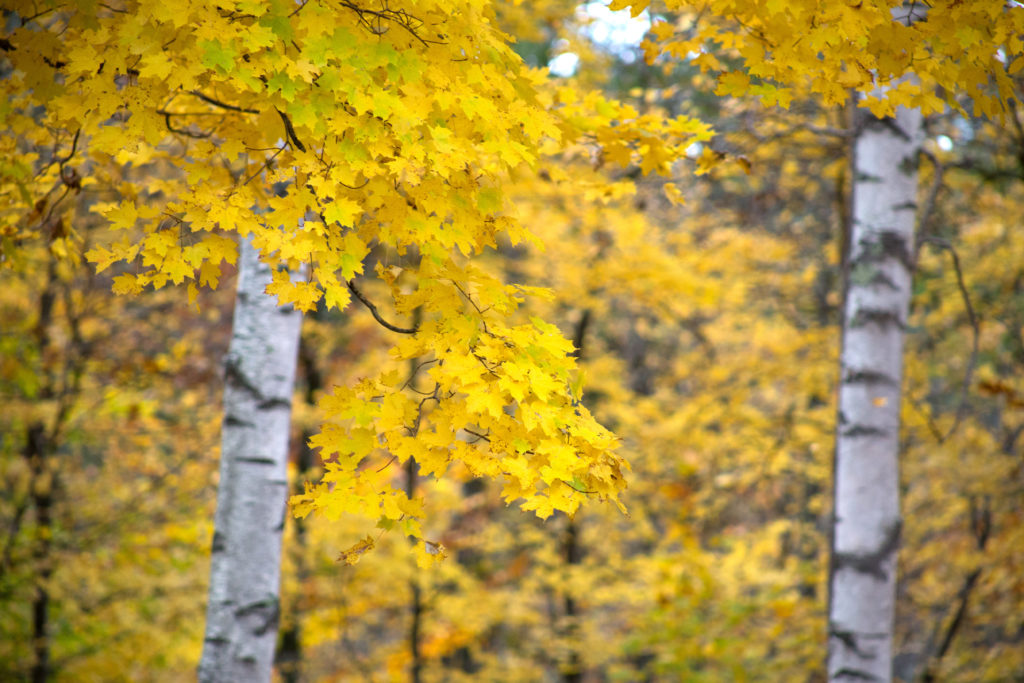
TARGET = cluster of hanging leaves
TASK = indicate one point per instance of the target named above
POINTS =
(331, 132)
(953, 47)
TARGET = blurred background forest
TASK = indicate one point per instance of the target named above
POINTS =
(706, 313)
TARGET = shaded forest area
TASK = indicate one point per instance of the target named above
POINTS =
(573, 346)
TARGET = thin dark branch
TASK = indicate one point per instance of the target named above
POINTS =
(49, 214)
(387, 464)
(415, 428)
(222, 105)
(473, 303)
(376, 315)
(981, 526)
(264, 165)
(182, 131)
(409, 385)
(929, 203)
(164, 112)
(479, 436)
(400, 17)
(975, 331)
(289, 130)
(74, 147)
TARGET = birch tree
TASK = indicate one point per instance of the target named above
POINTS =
(243, 609)
(867, 514)
(866, 518)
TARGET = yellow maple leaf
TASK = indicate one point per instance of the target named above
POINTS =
(355, 553)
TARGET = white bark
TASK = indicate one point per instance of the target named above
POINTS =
(243, 609)
(867, 512)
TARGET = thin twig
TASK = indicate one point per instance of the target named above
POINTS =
(400, 17)
(981, 525)
(975, 331)
(473, 303)
(265, 165)
(409, 385)
(222, 105)
(929, 203)
(181, 131)
(480, 437)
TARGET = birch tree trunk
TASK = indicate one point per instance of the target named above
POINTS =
(243, 609)
(866, 532)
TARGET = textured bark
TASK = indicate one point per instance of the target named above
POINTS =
(243, 610)
(866, 533)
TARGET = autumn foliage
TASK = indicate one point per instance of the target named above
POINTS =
(611, 300)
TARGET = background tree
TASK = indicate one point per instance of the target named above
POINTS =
(244, 609)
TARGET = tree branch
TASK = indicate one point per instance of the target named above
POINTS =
(975, 331)
(290, 130)
(981, 525)
(376, 315)
(222, 105)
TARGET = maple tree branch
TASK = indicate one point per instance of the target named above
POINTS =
(376, 314)
(479, 437)
(181, 131)
(61, 160)
(289, 130)
(415, 429)
(400, 17)
(299, 8)
(74, 148)
(265, 165)
(387, 464)
(472, 303)
(222, 105)
(409, 382)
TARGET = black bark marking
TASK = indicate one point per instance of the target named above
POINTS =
(868, 275)
(855, 675)
(849, 641)
(862, 177)
(266, 613)
(271, 403)
(879, 246)
(255, 460)
(880, 279)
(868, 377)
(219, 542)
(857, 431)
(870, 562)
(874, 316)
(237, 379)
(887, 124)
(233, 421)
